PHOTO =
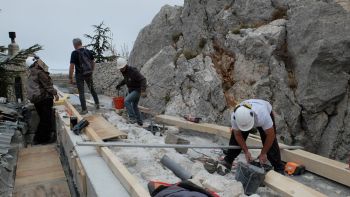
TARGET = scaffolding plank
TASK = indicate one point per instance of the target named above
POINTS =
(289, 187)
(104, 129)
(39, 172)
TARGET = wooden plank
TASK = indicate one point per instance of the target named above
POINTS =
(329, 168)
(57, 188)
(80, 177)
(62, 97)
(201, 127)
(39, 173)
(322, 166)
(289, 187)
(104, 129)
(129, 182)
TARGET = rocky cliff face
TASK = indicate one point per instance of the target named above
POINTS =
(208, 55)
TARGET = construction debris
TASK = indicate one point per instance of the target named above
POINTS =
(177, 169)
(173, 139)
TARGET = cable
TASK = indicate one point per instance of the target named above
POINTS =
(201, 153)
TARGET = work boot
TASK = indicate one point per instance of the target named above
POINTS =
(131, 121)
(140, 123)
(97, 106)
(222, 171)
(83, 112)
(225, 164)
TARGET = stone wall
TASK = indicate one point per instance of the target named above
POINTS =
(106, 77)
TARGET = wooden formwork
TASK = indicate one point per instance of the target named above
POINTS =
(282, 184)
(129, 182)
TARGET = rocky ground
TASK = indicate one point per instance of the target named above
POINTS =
(204, 57)
(145, 163)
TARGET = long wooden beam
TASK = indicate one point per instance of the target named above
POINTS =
(130, 183)
(289, 187)
(322, 166)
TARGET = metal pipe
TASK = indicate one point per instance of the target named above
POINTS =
(116, 144)
(176, 168)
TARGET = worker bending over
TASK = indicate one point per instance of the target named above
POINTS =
(249, 114)
(136, 84)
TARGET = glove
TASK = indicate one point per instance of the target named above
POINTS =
(143, 94)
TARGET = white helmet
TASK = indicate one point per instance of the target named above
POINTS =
(121, 63)
(31, 60)
(244, 118)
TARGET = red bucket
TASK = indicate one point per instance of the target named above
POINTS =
(118, 102)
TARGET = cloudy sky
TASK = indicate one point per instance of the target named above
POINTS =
(54, 24)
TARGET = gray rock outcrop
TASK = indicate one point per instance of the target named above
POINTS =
(205, 57)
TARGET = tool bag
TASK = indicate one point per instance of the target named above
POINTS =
(77, 129)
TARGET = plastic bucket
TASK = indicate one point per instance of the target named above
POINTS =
(250, 176)
(118, 102)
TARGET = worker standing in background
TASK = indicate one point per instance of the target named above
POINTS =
(136, 84)
(83, 61)
(41, 92)
(249, 114)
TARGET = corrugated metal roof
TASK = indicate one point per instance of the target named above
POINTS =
(6, 133)
(8, 128)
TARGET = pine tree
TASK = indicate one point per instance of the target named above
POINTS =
(100, 42)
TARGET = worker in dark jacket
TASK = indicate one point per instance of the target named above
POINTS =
(136, 84)
(41, 92)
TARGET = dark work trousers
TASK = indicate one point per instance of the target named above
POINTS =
(80, 85)
(45, 127)
(273, 155)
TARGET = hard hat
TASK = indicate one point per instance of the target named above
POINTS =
(244, 118)
(121, 63)
(31, 60)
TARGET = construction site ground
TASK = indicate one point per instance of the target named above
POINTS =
(145, 163)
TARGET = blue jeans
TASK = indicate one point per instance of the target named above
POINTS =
(131, 104)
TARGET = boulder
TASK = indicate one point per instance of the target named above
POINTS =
(320, 55)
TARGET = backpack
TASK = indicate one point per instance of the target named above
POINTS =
(86, 64)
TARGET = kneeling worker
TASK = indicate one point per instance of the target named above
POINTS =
(249, 114)
(136, 84)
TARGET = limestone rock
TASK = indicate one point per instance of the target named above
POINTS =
(205, 57)
(160, 73)
(219, 184)
(321, 57)
(165, 27)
